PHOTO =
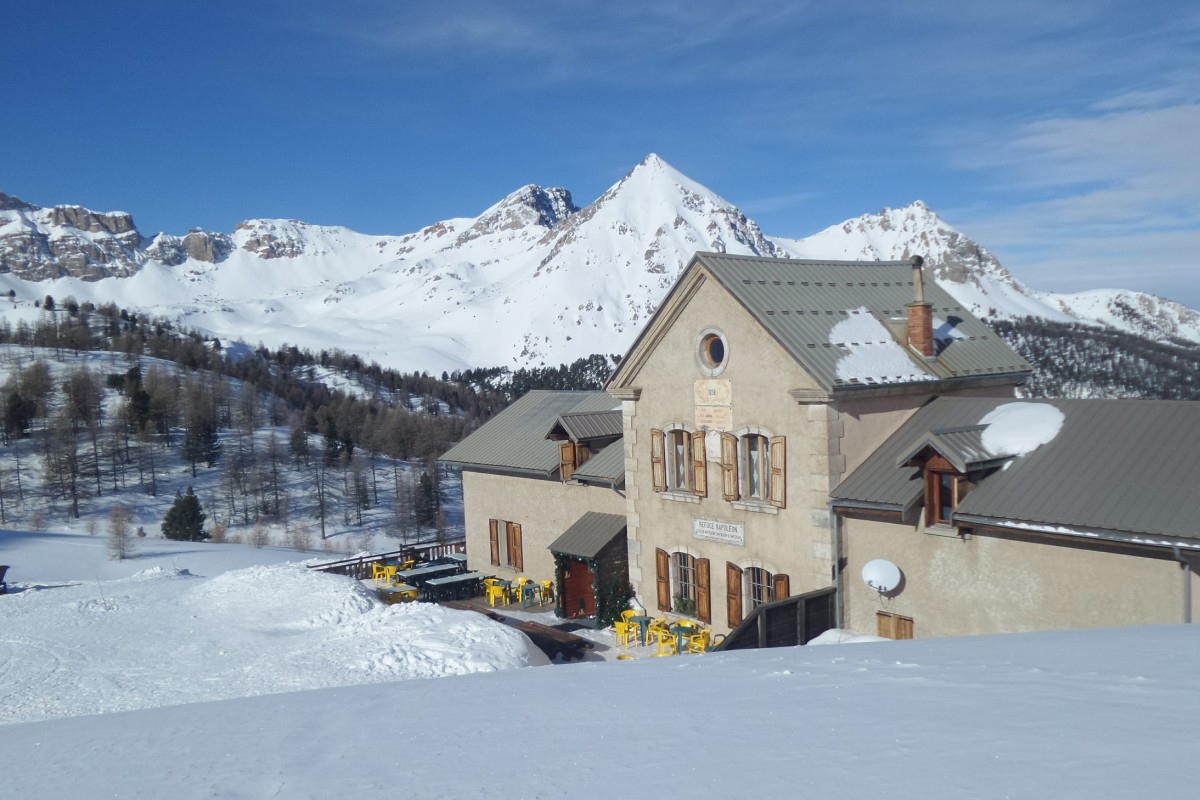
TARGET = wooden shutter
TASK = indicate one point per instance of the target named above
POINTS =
(582, 454)
(893, 626)
(781, 587)
(703, 595)
(658, 464)
(566, 459)
(729, 469)
(733, 594)
(699, 465)
(778, 471)
(494, 540)
(514, 547)
(662, 566)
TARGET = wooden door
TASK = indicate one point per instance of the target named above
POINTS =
(579, 593)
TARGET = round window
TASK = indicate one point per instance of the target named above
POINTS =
(712, 352)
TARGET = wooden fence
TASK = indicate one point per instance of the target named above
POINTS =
(360, 566)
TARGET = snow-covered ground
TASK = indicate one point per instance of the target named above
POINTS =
(199, 652)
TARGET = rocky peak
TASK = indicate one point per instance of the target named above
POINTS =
(529, 207)
(114, 222)
(10, 203)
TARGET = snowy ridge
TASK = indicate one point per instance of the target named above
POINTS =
(532, 280)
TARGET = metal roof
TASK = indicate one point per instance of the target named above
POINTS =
(800, 302)
(607, 466)
(515, 439)
(584, 425)
(1116, 465)
(963, 447)
(589, 534)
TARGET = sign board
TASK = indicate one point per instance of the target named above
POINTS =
(717, 531)
(714, 405)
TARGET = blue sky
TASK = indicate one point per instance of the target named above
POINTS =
(1064, 136)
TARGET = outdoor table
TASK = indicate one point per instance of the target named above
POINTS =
(681, 633)
(528, 591)
(396, 592)
(453, 586)
(458, 558)
(420, 575)
(643, 622)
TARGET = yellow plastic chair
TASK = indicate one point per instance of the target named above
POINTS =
(405, 565)
(668, 643)
(497, 591)
(627, 633)
(516, 587)
(627, 613)
(547, 591)
(698, 642)
(379, 573)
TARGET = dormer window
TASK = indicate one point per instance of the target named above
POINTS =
(941, 496)
(571, 456)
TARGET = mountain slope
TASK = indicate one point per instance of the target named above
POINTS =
(533, 280)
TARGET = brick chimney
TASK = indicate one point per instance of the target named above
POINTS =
(920, 314)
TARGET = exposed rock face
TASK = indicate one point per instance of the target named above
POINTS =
(39, 244)
(197, 244)
(266, 241)
(528, 207)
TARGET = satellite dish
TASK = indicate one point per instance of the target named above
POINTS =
(881, 575)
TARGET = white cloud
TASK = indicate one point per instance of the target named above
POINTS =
(1109, 198)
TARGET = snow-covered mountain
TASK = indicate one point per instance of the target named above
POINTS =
(533, 280)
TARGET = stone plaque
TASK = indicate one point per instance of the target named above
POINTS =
(717, 531)
(714, 393)
(714, 418)
(714, 405)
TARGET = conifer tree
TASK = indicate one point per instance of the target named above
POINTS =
(185, 519)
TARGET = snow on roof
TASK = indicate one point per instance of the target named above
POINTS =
(872, 354)
(1015, 429)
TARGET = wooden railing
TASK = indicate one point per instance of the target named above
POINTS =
(360, 566)
(784, 623)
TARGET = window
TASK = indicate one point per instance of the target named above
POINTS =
(684, 584)
(759, 587)
(516, 558)
(683, 568)
(941, 497)
(757, 466)
(571, 457)
(753, 468)
(712, 352)
(513, 555)
(678, 462)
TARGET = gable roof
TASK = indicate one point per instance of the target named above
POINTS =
(831, 317)
(582, 426)
(514, 441)
(1126, 466)
(963, 447)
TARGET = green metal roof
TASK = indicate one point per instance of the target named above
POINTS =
(582, 426)
(1127, 466)
(607, 466)
(831, 316)
(589, 534)
(515, 439)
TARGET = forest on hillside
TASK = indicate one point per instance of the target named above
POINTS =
(251, 419)
(1074, 360)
